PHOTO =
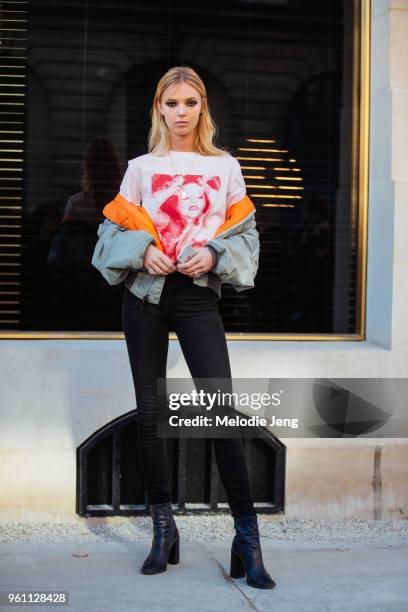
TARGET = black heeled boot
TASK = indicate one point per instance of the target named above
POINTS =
(246, 554)
(165, 544)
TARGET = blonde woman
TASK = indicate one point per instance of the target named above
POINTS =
(184, 191)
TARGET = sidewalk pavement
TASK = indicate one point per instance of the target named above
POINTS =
(310, 577)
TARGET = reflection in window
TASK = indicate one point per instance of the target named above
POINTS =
(281, 93)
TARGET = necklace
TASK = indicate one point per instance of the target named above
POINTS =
(183, 194)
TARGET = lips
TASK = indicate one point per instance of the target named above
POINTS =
(181, 122)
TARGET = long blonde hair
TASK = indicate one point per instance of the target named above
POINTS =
(205, 131)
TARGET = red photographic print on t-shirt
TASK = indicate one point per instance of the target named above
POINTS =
(186, 212)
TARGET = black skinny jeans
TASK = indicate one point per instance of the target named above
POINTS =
(192, 312)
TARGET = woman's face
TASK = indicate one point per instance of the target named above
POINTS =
(180, 106)
(192, 205)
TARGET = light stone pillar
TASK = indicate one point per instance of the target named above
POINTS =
(387, 278)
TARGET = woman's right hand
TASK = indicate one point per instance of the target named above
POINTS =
(154, 259)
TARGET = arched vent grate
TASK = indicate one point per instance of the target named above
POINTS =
(110, 482)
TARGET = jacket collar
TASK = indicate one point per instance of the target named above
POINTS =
(135, 216)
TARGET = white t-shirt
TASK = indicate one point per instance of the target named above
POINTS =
(187, 206)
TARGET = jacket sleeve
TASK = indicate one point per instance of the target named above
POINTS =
(119, 251)
(238, 256)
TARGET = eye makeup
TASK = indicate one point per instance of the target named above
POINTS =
(193, 100)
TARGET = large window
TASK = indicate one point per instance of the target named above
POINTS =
(284, 83)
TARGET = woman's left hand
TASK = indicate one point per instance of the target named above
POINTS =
(200, 263)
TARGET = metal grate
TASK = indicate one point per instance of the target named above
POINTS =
(110, 482)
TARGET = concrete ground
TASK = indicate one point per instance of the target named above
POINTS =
(310, 576)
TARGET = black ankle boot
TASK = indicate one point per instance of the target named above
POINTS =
(246, 554)
(165, 543)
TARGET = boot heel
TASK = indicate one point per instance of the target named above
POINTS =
(237, 569)
(174, 553)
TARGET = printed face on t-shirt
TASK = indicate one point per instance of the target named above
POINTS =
(191, 200)
(185, 209)
(187, 205)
